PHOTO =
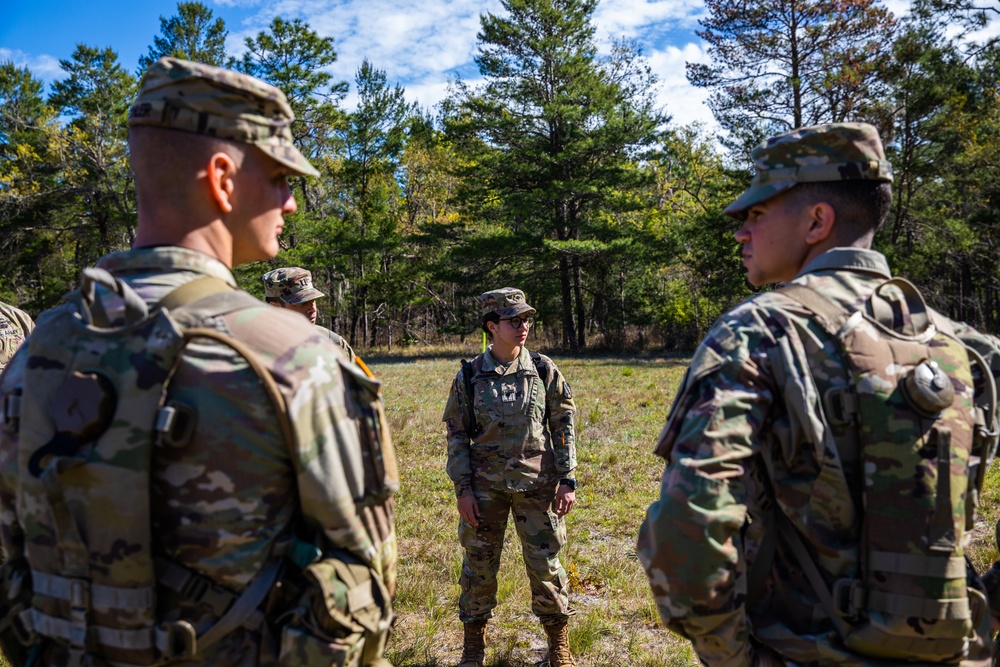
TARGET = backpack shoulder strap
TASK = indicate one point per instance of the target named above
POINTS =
(194, 290)
(829, 315)
(471, 426)
(541, 366)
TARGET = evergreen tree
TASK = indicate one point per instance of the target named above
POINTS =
(781, 64)
(33, 154)
(96, 96)
(549, 138)
(191, 34)
(293, 57)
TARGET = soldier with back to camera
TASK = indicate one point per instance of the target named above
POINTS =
(190, 476)
(825, 447)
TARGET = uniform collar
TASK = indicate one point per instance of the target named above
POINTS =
(166, 258)
(849, 259)
(491, 365)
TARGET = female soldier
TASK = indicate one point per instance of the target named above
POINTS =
(511, 449)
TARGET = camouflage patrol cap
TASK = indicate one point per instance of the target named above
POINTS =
(291, 284)
(202, 99)
(505, 302)
(831, 152)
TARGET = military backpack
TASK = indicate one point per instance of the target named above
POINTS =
(94, 408)
(921, 407)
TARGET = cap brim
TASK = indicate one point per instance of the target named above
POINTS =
(516, 310)
(309, 294)
(755, 194)
(291, 157)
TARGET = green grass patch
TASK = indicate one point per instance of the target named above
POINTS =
(621, 406)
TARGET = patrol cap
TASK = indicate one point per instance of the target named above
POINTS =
(505, 302)
(831, 152)
(291, 284)
(202, 99)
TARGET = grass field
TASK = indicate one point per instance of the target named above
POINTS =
(621, 403)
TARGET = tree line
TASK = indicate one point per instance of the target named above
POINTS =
(558, 174)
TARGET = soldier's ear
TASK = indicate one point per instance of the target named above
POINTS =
(822, 218)
(221, 172)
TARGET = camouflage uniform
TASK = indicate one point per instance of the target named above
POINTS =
(514, 465)
(15, 325)
(701, 537)
(293, 285)
(223, 502)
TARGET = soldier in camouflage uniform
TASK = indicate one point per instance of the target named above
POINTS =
(737, 436)
(212, 151)
(512, 450)
(292, 288)
(15, 325)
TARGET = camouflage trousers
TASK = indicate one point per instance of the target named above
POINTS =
(542, 534)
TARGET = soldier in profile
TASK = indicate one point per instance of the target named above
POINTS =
(291, 287)
(204, 495)
(826, 440)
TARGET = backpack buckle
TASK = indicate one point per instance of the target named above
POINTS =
(849, 598)
(840, 405)
(12, 410)
(177, 640)
(175, 424)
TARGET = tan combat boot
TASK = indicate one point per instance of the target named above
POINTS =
(559, 655)
(474, 647)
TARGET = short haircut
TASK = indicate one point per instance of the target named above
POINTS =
(490, 317)
(272, 299)
(168, 160)
(861, 205)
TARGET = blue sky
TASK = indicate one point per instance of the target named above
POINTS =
(421, 44)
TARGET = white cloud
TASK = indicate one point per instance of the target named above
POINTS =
(684, 102)
(633, 18)
(44, 66)
(424, 44)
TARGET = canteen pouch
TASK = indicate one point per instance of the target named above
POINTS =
(343, 618)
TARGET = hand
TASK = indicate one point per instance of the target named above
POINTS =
(565, 499)
(468, 509)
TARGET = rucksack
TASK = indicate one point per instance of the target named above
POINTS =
(469, 372)
(94, 408)
(923, 408)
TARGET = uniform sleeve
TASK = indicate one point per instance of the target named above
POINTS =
(328, 457)
(459, 442)
(562, 418)
(690, 542)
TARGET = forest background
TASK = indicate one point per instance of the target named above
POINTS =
(558, 173)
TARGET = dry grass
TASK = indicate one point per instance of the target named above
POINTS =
(622, 403)
(621, 406)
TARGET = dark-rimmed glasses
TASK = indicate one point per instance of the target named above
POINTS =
(516, 322)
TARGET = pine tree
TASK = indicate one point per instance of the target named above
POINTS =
(549, 138)
(781, 64)
(191, 34)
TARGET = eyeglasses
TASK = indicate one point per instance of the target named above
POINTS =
(516, 322)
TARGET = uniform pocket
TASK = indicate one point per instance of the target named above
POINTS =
(301, 648)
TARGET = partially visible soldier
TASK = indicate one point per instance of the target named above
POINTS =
(264, 524)
(291, 287)
(15, 325)
(824, 448)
